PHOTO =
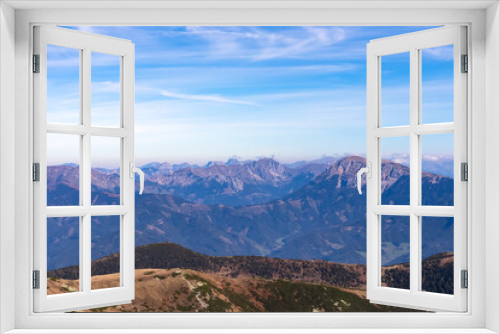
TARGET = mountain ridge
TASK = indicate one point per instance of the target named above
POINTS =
(437, 269)
(325, 219)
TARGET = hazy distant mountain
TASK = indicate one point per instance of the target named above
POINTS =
(436, 164)
(321, 161)
(232, 183)
(166, 166)
(324, 219)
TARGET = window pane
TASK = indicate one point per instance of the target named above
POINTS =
(437, 84)
(395, 90)
(105, 90)
(63, 255)
(395, 251)
(63, 169)
(437, 254)
(437, 169)
(63, 85)
(106, 157)
(395, 171)
(106, 243)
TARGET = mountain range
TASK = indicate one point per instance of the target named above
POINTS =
(312, 213)
(233, 183)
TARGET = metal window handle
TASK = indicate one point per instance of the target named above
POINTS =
(134, 170)
(367, 170)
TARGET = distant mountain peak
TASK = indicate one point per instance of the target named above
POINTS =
(351, 158)
(153, 164)
(232, 161)
(267, 161)
(213, 163)
(342, 172)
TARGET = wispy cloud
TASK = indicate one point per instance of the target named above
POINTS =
(442, 53)
(201, 97)
(259, 44)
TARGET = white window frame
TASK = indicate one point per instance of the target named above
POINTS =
(413, 43)
(484, 49)
(86, 44)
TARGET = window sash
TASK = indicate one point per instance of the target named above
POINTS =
(412, 43)
(86, 297)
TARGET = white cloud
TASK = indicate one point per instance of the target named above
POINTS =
(430, 158)
(100, 87)
(201, 97)
(443, 53)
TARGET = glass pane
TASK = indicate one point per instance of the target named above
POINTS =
(437, 84)
(106, 156)
(63, 85)
(395, 90)
(105, 243)
(395, 251)
(105, 90)
(63, 169)
(395, 171)
(63, 255)
(437, 254)
(437, 169)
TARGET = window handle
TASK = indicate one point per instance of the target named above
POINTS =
(134, 170)
(367, 170)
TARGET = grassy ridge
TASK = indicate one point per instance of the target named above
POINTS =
(168, 255)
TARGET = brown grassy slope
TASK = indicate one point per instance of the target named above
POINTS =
(185, 290)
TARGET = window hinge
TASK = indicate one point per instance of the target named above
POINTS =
(465, 64)
(464, 170)
(36, 172)
(465, 279)
(36, 279)
(36, 63)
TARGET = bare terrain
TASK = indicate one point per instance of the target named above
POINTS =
(185, 290)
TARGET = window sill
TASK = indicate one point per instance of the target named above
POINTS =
(251, 331)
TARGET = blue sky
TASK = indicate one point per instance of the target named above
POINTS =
(209, 93)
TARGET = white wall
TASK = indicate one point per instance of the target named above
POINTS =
(492, 165)
(7, 124)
